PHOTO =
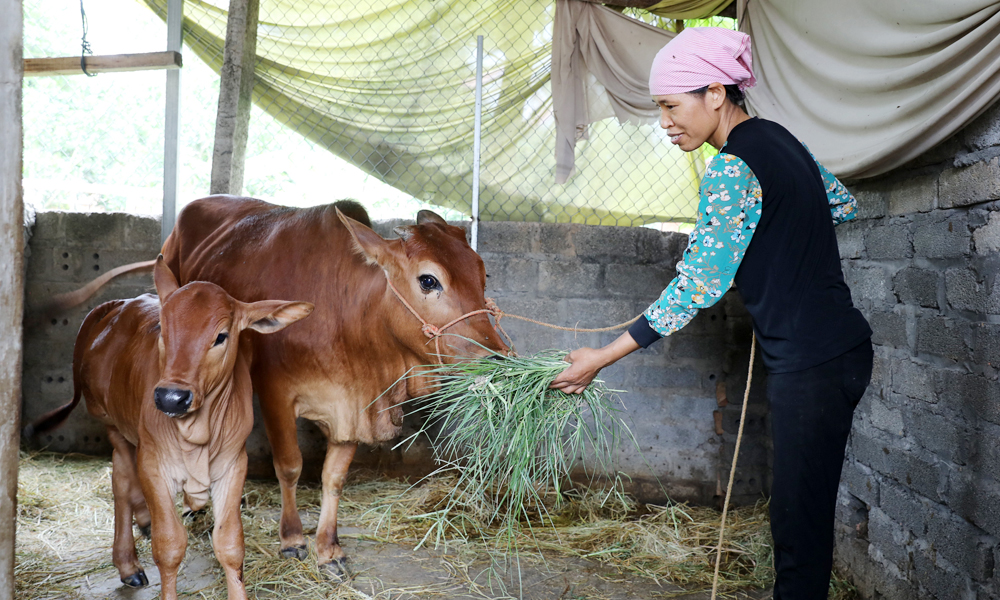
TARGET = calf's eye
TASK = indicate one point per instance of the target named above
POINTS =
(429, 283)
(221, 339)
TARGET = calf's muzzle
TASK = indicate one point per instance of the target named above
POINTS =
(173, 402)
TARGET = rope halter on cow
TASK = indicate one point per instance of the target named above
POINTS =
(433, 332)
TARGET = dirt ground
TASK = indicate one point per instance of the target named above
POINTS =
(389, 571)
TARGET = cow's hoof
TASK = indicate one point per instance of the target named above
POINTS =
(136, 580)
(145, 531)
(299, 552)
(336, 569)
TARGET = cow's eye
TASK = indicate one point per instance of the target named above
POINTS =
(428, 283)
(221, 339)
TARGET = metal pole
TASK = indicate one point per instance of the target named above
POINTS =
(175, 16)
(477, 138)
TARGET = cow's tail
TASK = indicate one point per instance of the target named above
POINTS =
(63, 302)
(53, 419)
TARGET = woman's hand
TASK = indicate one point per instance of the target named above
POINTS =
(585, 363)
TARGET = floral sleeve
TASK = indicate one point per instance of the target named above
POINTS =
(843, 205)
(728, 213)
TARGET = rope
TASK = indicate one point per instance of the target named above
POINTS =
(84, 44)
(732, 470)
(575, 329)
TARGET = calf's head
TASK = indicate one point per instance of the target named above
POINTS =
(200, 325)
(441, 277)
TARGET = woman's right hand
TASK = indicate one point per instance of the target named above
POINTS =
(585, 363)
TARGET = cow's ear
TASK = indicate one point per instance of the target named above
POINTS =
(366, 242)
(268, 316)
(163, 279)
(429, 216)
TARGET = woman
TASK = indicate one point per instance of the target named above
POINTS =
(765, 222)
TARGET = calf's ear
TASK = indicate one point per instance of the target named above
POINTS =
(366, 242)
(269, 316)
(164, 279)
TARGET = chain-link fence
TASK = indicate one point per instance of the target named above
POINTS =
(372, 101)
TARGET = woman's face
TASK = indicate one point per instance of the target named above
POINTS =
(689, 119)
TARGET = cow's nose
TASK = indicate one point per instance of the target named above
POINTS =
(173, 402)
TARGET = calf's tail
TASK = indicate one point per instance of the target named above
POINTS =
(63, 302)
(53, 419)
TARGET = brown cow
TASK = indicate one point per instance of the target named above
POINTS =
(344, 371)
(189, 361)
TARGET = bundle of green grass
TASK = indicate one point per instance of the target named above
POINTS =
(509, 440)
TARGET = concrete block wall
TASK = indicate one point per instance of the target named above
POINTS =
(919, 510)
(684, 392)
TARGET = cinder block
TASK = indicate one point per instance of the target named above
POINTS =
(993, 300)
(974, 396)
(557, 239)
(975, 498)
(986, 344)
(667, 377)
(851, 238)
(599, 312)
(987, 237)
(642, 281)
(872, 202)
(869, 284)
(945, 437)
(962, 186)
(905, 507)
(916, 286)
(964, 291)
(912, 380)
(861, 482)
(570, 279)
(710, 347)
(938, 577)
(660, 248)
(945, 337)
(886, 418)
(604, 244)
(507, 237)
(510, 276)
(890, 242)
(913, 194)
(893, 540)
(889, 329)
(984, 131)
(936, 237)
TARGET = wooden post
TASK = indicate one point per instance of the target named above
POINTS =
(11, 279)
(233, 119)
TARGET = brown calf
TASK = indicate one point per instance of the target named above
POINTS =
(169, 377)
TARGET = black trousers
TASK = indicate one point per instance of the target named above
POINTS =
(811, 415)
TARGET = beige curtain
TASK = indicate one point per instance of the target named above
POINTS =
(870, 85)
(600, 69)
(689, 9)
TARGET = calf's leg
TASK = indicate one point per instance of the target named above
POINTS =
(331, 555)
(279, 424)
(124, 487)
(227, 537)
(169, 536)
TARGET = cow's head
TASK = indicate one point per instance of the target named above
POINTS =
(200, 326)
(442, 278)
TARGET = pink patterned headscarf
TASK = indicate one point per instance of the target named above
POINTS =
(700, 56)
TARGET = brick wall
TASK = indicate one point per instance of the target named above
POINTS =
(563, 274)
(919, 511)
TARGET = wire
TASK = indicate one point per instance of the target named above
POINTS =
(84, 44)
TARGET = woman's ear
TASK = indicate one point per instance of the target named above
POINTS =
(716, 95)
